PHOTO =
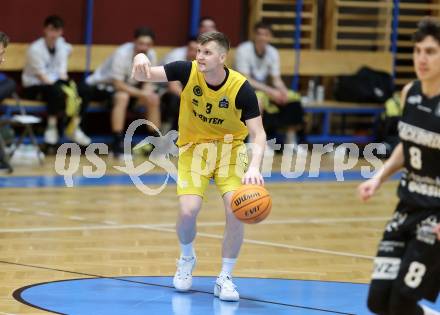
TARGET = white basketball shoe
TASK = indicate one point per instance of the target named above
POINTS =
(225, 289)
(182, 280)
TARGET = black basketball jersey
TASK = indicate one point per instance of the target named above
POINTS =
(419, 132)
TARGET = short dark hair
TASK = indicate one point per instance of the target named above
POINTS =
(144, 31)
(428, 26)
(205, 18)
(55, 21)
(217, 37)
(4, 39)
(262, 25)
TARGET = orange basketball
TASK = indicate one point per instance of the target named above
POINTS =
(251, 203)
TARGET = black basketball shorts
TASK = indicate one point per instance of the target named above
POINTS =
(409, 253)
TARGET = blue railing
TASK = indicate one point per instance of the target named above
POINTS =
(297, 45)
(89, 35)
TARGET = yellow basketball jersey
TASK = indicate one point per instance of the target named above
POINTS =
(207, 115)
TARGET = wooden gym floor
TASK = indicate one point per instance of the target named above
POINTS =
(318, 230)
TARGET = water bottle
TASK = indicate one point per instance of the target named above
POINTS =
(320, 93)
(311, 91)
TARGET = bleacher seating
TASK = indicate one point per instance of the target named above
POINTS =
(312, 63)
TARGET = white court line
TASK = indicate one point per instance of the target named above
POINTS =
(373, 229)
(270, 222)
(222, 223)
(15, 209)
(45, 214)
(329, 220)
(298, 221)
(114, 225)
(6, 313)
(163, 228)
(284, 272)
(275, 272)
(272, 244)
(71, 228)
(76, 218)
(108, 222)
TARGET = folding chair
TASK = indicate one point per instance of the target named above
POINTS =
(22, 120)
(4, 156)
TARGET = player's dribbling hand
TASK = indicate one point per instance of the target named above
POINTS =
(141, 67)
(367, 189)
(253, 176)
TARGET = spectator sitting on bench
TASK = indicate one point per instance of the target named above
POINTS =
(189, 51)
(4, 164)
(45, 77)
(260, 63)
(111, 81)
(207, 24)
(7, 85)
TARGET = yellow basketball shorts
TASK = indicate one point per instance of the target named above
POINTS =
(226, 163)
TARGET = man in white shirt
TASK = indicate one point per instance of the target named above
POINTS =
(206, 24)
(112, 81)
(188, 52)
(260, 63)
(44, 74)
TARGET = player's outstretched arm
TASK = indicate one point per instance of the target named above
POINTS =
(143, 71)
(368, 188)
(396, 161)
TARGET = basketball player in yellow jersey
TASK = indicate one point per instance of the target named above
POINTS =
(218, 108)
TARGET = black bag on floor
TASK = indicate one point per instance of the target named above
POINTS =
(366, 86)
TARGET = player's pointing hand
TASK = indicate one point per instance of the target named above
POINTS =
(141, 67)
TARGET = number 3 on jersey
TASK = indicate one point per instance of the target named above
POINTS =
(415, 158)
(208, 108)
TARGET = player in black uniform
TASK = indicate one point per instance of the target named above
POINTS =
(407, 266)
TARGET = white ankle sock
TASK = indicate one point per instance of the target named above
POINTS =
(187, 250)
(227, 266)
(52, 122)
(291, 137)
